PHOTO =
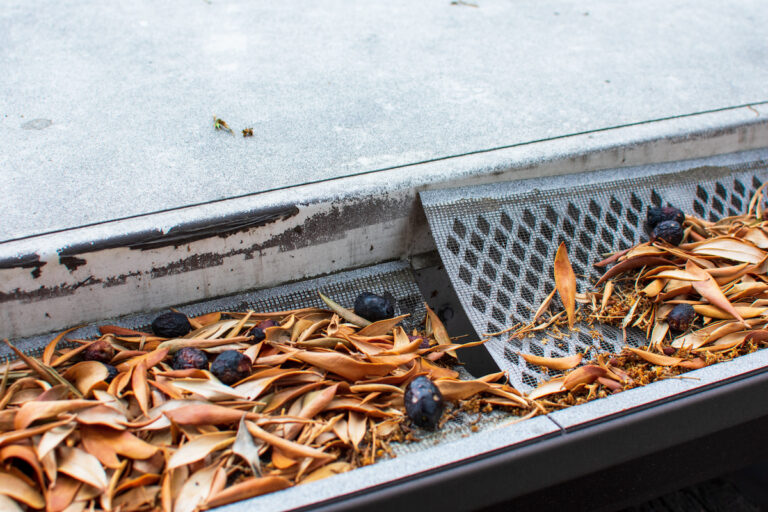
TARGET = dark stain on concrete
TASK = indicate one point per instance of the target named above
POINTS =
(71, 262)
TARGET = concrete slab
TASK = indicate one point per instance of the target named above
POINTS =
(106, 108)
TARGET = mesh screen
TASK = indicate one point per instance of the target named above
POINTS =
(394, 280)
(498, 244)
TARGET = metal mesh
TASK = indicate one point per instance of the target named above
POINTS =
(498, 244)
(394, 280)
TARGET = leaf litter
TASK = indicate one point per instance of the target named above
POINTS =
(719, 269)
(324, 396)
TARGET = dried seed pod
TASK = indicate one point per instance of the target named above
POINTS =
(101, 351)
(681, 317)
(231, 366)
(189, 358)
(670, 231)
(423, 403)
(657, 215)
(373, 307)
(112, 373)
(171, 325)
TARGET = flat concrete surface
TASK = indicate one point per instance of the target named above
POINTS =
(106, 108)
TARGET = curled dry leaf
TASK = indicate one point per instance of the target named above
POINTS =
(200, 447)
(84, 467)
(565, 282)
(554, 363)
(248, 489)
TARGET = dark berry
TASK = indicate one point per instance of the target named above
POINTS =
(189, 358)
(171, 325)
(681, 317)
(373, 307)
(423, 403)
(656, 216)
(231, 366)
(112, 373)
(669, 231)
(266, 323)
(424, 341)
(257, 333)
(101, 351)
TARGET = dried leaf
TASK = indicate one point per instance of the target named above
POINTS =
(206, 414)
(87, 374)
(246, 448)
(653, 358)
(709, 289)
(248, 489)
(84, 467)
(633, 263)
(731, 249)
(586, 374)
(196, 490)
(8, 505)
(53, 438)
(550, 387)
(344, 313)
(554, 363)
(342, 365)
(200, 447)
(140, 387)
(565, 282)
(357, 428)
(33, 411)
(18, 489)
(50, 349)
(289, 447)
(210, 389)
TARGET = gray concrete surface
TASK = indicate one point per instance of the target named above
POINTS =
(105, 108)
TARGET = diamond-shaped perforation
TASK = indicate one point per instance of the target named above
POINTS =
(501, 261)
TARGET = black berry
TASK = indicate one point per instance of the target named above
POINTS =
(112, 373)
(101, 351)
(423, 403)
(373, 307)
(171, 325)
(669, 231)
(681, 317)
(231, 366)
(657, 215)
(189, 358)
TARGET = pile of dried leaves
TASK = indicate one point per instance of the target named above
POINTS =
(718, 270)
(325, 395)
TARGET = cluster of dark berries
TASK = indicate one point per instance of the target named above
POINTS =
(103, 352)
(665, 224)
(229, 366)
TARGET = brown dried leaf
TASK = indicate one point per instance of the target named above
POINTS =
(248, 489)
(342, 365)
(344, 313)
(246, 448)
(206, 414)
(586, 374)
(731, 249)
(653, 358)
(357, 428)
(709, 289)
(140, 387)
(200, 447)
(289, 447)
(85, 375)
(33, 411)
(381, 327)
(633, 263)
(553, 363)
(565, 282)
(84, 467)
(50, 349)
(195, 490)
(550, 387)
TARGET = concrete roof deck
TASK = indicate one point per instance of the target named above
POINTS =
(105, 109)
